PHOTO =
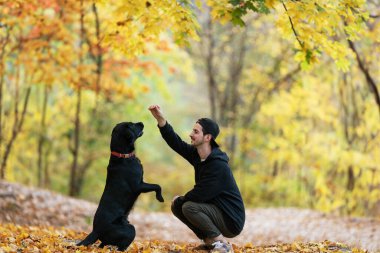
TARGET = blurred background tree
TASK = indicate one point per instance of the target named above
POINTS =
(293, 84)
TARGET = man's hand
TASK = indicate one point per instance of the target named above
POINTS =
(157, 113)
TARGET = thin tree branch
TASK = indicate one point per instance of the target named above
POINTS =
(370, 81)
(293, 27)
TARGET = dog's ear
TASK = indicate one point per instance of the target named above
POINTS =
(128, 134)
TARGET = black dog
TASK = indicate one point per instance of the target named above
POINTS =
(123, 185)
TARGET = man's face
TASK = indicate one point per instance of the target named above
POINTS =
(197, 136)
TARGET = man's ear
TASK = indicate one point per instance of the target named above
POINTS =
(208, 137)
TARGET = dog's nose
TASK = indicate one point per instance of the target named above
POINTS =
(140, 124)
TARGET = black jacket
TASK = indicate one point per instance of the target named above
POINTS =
(214, 182)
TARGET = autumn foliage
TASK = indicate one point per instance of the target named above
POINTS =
(14, 238)
(295, 90)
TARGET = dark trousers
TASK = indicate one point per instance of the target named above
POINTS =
(205, 220)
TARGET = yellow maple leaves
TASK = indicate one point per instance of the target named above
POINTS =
(313, 25)
(15, 238)
(318, 24)
(221, 10)
(133, 24)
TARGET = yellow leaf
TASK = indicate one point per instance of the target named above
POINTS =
(248, 245)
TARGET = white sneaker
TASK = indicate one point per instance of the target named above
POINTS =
(222, 247)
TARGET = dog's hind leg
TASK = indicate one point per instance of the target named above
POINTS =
(120, 235)
(145, 187)
(129, 234)
(90, 239)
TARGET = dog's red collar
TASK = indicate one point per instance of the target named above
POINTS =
(123, 155)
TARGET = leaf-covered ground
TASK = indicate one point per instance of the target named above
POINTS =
(14, 238)
(49, 222)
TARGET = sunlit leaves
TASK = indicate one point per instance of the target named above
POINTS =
(241, 8)
(58, 45)
(316, 24)
(234, 10)
(130, 25)
(14, 238)
(313, 25)
(333, 155)
(50, 36)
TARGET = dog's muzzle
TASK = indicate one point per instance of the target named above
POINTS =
(140, 125)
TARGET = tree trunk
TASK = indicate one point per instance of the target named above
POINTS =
(212, 88)
(98, 58)
(1, 108)
(236, 70)
(79, 169)
(16, 129)
(2, 74)
(74, 188)
(41, 141)
(47, 181)
(350, 179)
(275, 169)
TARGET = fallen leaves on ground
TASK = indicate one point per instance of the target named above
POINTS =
(45, 239)
(30, 206)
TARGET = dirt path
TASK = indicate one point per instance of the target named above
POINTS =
(269, 226)
(31, 206)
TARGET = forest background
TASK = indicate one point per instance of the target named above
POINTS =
(294, 86)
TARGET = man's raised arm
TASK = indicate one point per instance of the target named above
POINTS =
(157, 113)
(171, 138)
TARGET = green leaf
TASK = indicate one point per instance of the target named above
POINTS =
(309, 55)
(319, 8)
(235, 2)
(237, 21)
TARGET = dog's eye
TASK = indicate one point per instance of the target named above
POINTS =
(128, 133)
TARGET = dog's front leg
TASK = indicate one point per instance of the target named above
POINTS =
(145, 187)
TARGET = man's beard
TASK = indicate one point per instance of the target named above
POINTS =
(196, 144)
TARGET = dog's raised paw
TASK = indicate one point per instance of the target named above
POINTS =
(159, 197)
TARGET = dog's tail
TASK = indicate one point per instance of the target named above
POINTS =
(90, 239)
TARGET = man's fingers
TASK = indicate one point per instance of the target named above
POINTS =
(153, 107)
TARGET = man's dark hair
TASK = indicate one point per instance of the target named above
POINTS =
(209, 127)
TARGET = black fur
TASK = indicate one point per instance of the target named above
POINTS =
(123, 186)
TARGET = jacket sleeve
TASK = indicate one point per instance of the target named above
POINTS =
(176, 143)
(210, 185)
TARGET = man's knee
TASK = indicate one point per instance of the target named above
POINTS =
(189, 209)
(176, 208)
